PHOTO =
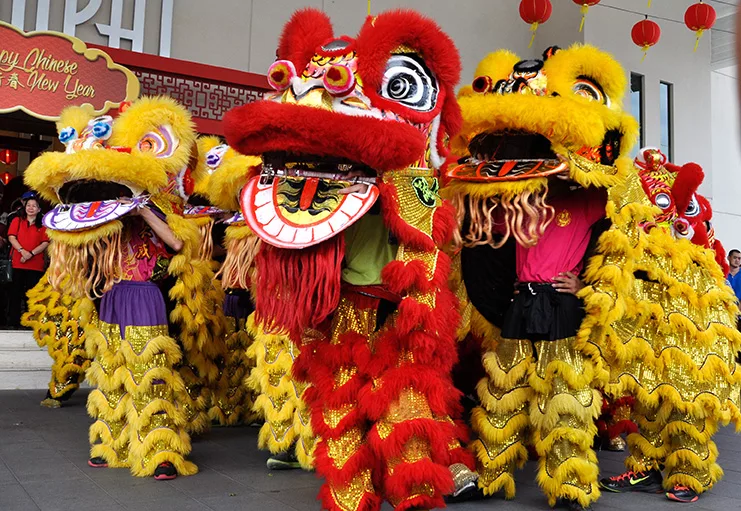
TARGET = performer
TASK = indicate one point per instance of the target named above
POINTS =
(57, 319)
(259, 363)
(352, 120)
(118, 235)
(675, 429)
(526, 123)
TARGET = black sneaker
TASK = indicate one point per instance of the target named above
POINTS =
(283, 461)
(97, 462)
(165, 471)
(649, 482)
(682, 494)
(573, 505)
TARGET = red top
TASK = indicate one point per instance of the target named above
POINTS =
(145, 255)
(565, 240)
(30, 237)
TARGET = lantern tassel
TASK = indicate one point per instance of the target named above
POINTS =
(697, 39)
(645, 52)
(649, 3)
(584, 11)
(369, 7)
(533, 29)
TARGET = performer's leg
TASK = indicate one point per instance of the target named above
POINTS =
(233, 400)
(562, 416)
(691, 461)
(503, 417)
(410, 399)
(109, 402)
(156, 418)
(271, 380)
(342, 456)
(305, 438)
(647, 453)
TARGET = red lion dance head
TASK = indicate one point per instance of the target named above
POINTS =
(673, 189)
(351, 121)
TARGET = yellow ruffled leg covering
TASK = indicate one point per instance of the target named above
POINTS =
(562, 416)
(692, 457)
(145, 361)
(305, 438)
(235, 404)
(502, 419)
(647, 447)
(109, 402)
(58, 322)
(272, 381)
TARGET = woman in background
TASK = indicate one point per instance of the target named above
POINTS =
(29, 241)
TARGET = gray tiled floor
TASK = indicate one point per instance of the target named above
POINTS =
(43, 455)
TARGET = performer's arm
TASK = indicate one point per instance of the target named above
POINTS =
(160, 228)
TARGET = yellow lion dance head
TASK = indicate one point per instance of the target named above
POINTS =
(526, 120)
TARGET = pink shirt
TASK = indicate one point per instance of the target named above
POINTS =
(564, 243)
(144, 253)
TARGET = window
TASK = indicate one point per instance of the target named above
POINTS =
(666, 101)
(636, 106)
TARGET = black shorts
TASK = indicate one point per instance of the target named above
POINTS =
(540, 313)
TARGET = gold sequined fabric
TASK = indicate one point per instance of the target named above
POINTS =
(135, 397)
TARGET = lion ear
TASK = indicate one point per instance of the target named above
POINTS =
(74, 117)
(302, 35)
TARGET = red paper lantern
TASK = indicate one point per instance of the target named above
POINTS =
(535, 12)
(698, 18)
(645, 34)
(585, 5)
(5, 177)
(8, 156)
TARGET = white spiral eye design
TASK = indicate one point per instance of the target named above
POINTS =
(410, 83)
(663, 201)
(693, 209)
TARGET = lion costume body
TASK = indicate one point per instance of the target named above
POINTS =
(142, 405)
(526, 122)
(259, 364)
(352, 121)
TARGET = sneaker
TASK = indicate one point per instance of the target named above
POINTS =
(573, 505)
(165, 471)
(466, 485)
(682, 494)
(283, 461)
(649, 482)
(50, 402)
(97, 462)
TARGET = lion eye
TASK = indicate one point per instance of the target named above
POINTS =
(589, 89)
(161, 142)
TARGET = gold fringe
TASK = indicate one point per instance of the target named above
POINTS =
(241, 249)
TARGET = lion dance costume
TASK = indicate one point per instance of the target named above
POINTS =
(546, 354)
(352, 121)
(259, 364)
(141, 403)
(675, 347)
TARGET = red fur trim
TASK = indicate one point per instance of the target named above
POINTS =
(302, 35)
(444, 224)
(688, 180)
(298, 289)
(627, 427)
(441, 396)
(409, 478)
(400, 277)
(362, 459)
(264, 126)
(384, 33)
(720, 257)
(368, 502)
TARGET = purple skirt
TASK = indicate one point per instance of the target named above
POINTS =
(238, 304)
(130, 303)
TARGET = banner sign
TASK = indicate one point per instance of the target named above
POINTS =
(41, 73)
